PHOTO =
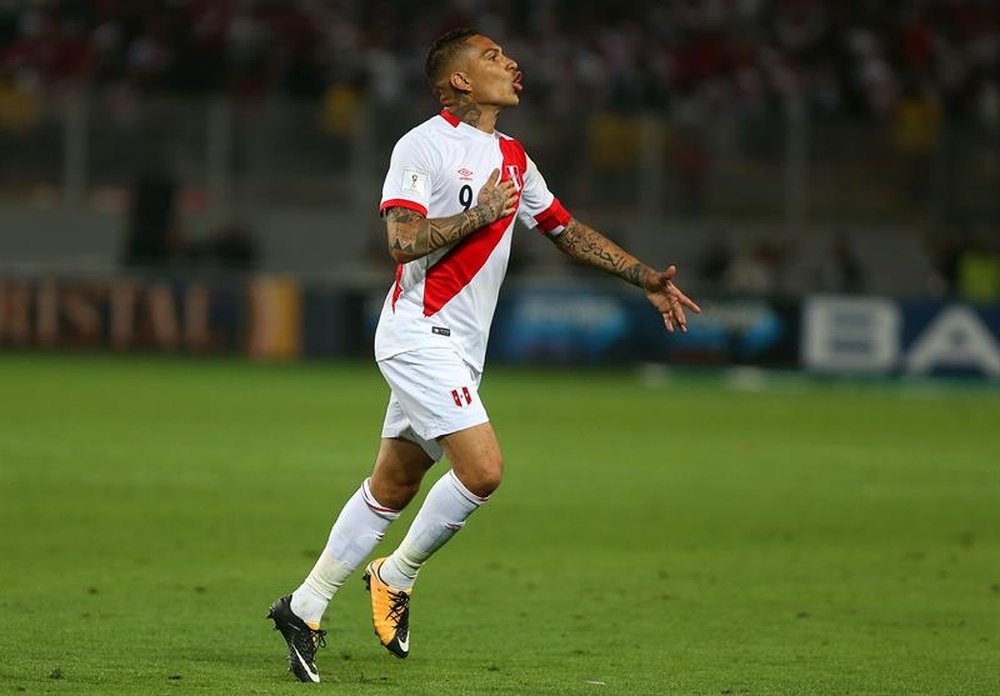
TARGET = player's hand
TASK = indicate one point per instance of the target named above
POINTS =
(668, 299)
(499, 200)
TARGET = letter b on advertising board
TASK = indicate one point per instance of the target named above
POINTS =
(841, 334)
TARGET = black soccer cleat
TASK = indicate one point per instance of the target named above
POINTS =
(302, 640)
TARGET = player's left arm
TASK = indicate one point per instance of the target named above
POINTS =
(589, 246)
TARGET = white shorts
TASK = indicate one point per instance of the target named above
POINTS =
(434, 393)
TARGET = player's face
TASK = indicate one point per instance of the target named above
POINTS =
(493, 76)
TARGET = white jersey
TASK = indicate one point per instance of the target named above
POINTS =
(448, 297)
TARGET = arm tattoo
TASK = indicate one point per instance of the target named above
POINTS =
(412, 236)
(593, 248)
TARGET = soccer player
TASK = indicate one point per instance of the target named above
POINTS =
(453, 190)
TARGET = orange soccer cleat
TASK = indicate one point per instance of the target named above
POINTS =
(390, 611)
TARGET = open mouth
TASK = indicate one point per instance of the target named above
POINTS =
(516, 83)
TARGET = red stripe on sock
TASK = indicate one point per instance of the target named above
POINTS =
(372, 503)
(465, 492)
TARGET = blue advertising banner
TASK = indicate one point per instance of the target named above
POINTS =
(586, 325)
(561, 325)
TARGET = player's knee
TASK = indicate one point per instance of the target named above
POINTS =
(402, 494)
(486, 477)
(394, 493)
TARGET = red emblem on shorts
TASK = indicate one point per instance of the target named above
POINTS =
(457, 398)
(464, 174)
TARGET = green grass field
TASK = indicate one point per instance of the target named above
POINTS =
(686, 538)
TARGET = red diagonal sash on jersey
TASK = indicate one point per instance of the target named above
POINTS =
(397, 287)
(458, 267)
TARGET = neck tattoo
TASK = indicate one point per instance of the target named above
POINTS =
(467, 111)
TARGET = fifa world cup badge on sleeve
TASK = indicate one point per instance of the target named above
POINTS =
(415, 181)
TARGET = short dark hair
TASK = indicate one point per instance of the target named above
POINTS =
(443, 50)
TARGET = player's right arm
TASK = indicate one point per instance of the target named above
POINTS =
(585, 244)
(411, 235)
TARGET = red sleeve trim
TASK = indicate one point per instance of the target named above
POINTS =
(402, 203)
(552, 217)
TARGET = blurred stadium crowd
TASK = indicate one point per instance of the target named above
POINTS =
(901, 124)
(857, 56)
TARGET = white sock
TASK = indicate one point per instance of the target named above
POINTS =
(358, 529)
(447, 506)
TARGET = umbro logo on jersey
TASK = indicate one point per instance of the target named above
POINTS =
(465, 174)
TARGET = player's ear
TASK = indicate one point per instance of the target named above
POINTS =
(460, 81)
